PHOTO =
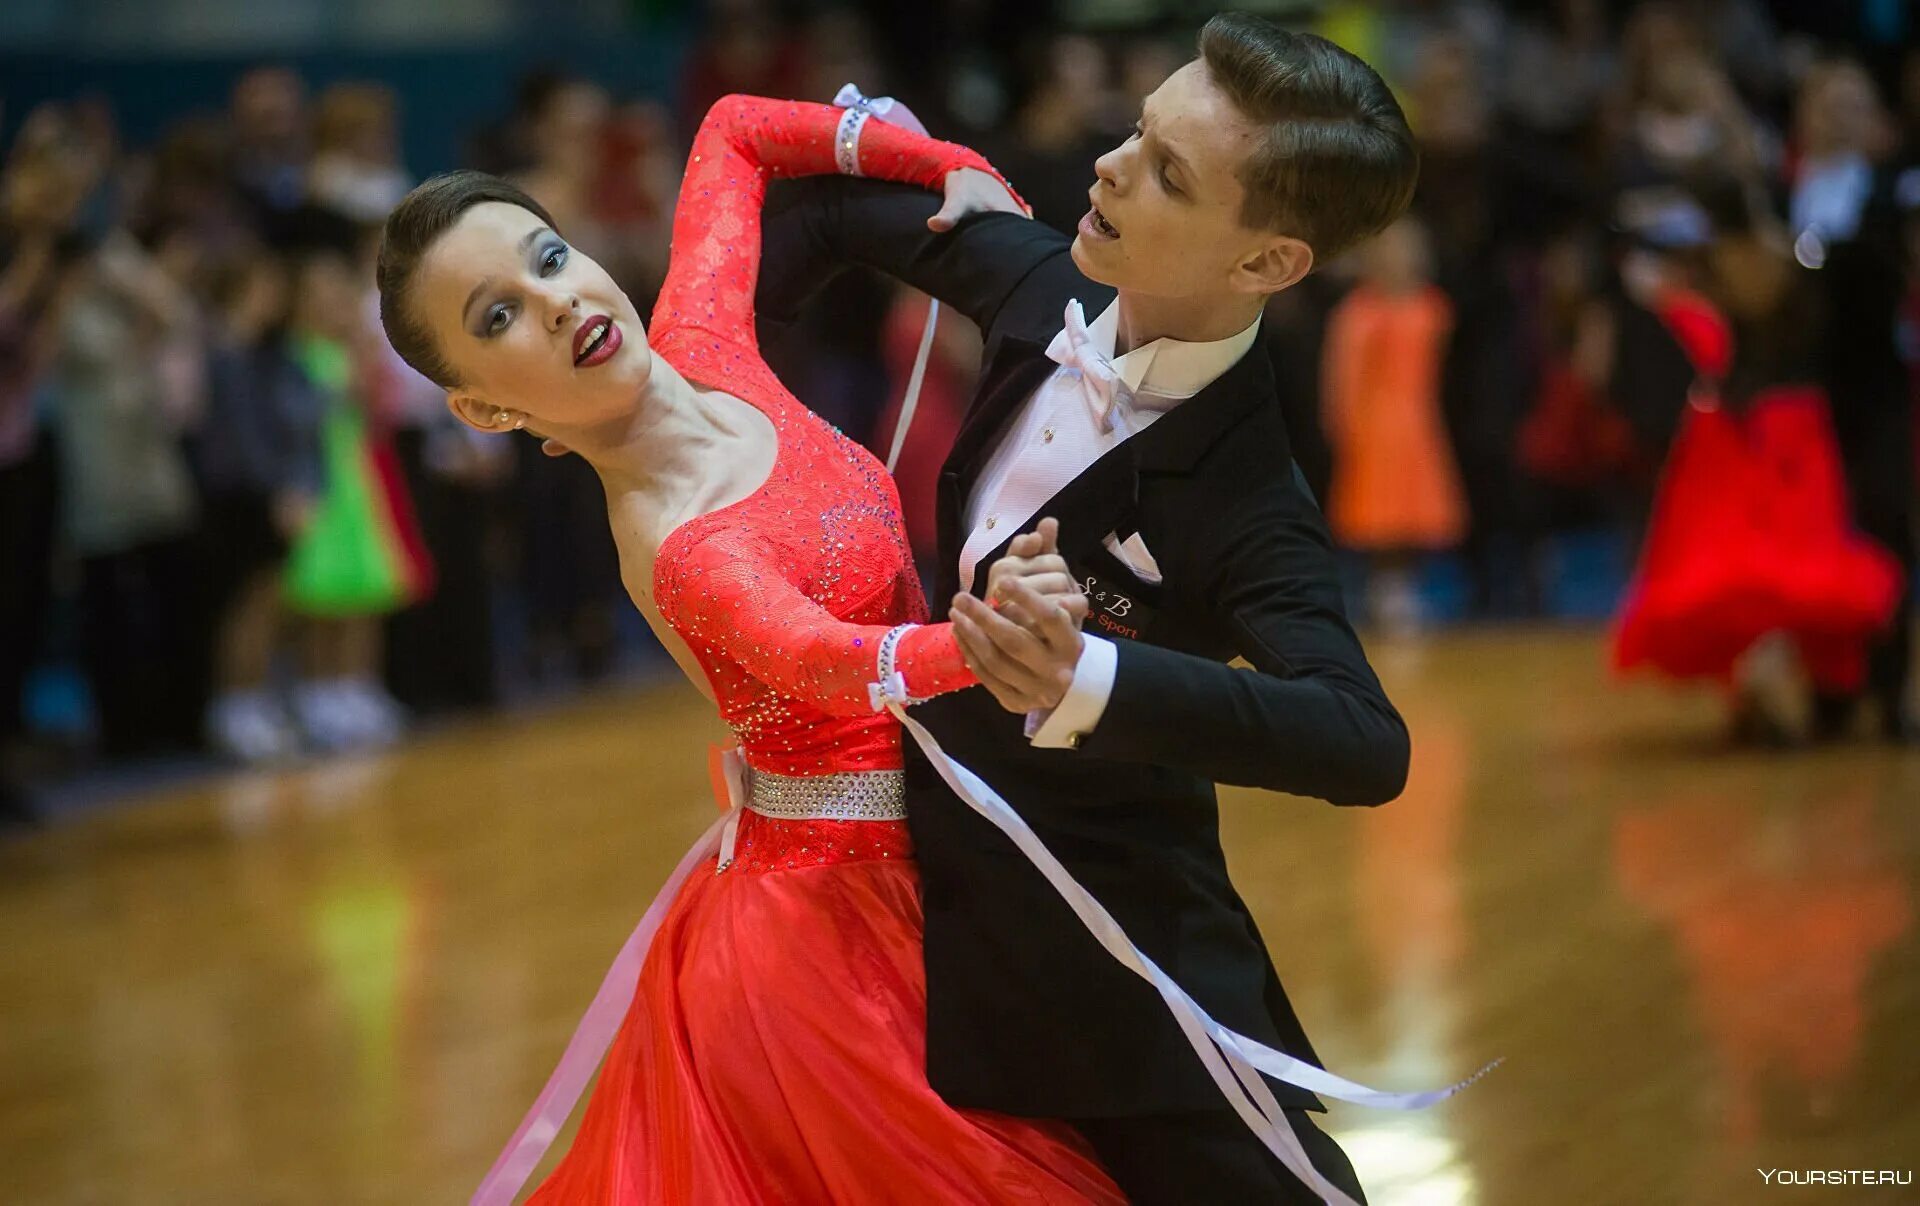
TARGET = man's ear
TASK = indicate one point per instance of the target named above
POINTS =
(1281, 264)
(479, 415)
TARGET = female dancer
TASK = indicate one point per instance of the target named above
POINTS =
(1752, 562)
(773, 1051)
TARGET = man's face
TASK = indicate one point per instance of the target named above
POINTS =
(1166, 202)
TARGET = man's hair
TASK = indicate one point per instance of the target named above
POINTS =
(1336, 163)
(413, 227)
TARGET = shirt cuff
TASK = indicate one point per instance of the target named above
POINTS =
(1062, 727)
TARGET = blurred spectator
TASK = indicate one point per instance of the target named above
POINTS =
(1680, 115)
(190, 189)
(268, 115)
(1048, 153)
(1907, 127)
(749, 48)
(1145, 63)
(1845, 217)
(356, 560)
(638, 179)
(564, 120)
(838, 48)
(1742, 35)
(356, 153)
(1560, 67)
(126, 384)
(258, 462)
(608, 178)
(1395, 36)
(1574, 438)
(42, 184)
(1395, 490)
(569, 567)
(1840, 131)
(1632, 349)
(1488, 202)
(440, 652)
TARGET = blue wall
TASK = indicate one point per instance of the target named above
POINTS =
(445, 95)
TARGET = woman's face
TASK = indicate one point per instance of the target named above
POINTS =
(530, 324)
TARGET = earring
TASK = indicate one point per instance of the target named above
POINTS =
(501, 418)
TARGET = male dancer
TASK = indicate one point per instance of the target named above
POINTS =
(1118, 398)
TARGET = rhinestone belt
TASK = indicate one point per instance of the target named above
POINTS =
(842, 796)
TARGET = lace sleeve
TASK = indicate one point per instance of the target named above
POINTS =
(744, 141)
(729, 592)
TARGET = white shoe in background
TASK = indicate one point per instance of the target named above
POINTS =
(251, 728)
(1393, 599)
(325, 713)
(1774, 699)
(376, 717)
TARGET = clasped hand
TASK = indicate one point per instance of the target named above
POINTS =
(1024, 642)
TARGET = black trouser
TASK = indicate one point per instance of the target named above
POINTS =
(569, 564)
(28, 496)
(145, 645)
(1890, 660)
(1201, 1159)
(1877, 450)
(440, 651)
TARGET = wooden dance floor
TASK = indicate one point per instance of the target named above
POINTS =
(343, 984)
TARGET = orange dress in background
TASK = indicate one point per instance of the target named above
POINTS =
(1395, 484)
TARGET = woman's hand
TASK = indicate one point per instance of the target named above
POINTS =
(1034, 560)
(1025, 646)
(972, 191)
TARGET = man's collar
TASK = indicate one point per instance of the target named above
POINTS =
(1168, 370)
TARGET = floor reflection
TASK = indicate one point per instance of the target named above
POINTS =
(1407, 885)
(1779, 911)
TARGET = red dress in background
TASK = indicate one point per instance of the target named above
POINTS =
(775, 1049)
(1752, 532)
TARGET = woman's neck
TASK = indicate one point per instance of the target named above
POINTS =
(680, 452)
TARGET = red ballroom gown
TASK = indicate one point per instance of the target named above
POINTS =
(1752, 531)
(775, 1048)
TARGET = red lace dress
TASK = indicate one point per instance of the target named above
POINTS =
(774, 1050)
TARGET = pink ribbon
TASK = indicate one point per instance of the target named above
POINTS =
(597, 1028)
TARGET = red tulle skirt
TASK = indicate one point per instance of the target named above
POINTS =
(775, 1050)
(1752, 534)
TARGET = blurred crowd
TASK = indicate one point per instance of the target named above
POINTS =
(248, 526)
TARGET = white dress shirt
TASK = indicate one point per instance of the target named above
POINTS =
(1053, 439)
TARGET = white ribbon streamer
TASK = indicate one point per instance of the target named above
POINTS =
(911, 402)
(1232, 1059)
(591, 1039)
(847, 143)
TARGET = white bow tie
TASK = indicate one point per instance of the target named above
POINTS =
(1100, 382)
